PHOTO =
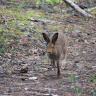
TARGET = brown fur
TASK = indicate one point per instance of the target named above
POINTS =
(56, 46)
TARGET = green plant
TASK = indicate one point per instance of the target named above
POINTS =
(71, 77)
(19, 7)
(52, 1)
(59, 82)
(11, 0)
(39, 2)
(78, 90)
(3, 39)
(93, 78)
(74, 1)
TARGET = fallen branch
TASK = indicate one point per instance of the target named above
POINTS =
(15, 19)
(43, 21)
(77, 8)
(38, 20)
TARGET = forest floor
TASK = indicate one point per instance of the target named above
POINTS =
(24, 67)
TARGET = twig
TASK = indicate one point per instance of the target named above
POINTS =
(43, 21)
(15, 19)
(4, 20)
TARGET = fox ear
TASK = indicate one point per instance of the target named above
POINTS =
(46, 38)
(54, 38)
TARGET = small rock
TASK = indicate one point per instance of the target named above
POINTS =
(48, 95)
(76, 76)
(83, 52)
(0, 58)
(32, 78)
(55, 95)
(26, 88)
(86, 42)
(93, 66)
(32, 23)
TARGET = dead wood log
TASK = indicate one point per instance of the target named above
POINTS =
(77, 8)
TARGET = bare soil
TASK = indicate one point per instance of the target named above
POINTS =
(78, 77)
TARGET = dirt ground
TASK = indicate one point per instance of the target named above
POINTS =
(39, 77)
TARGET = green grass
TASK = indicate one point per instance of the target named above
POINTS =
(71, 77)
(17, 23)
(76, 88)
(92, 78)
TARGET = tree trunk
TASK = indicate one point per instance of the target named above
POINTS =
(77, 8)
